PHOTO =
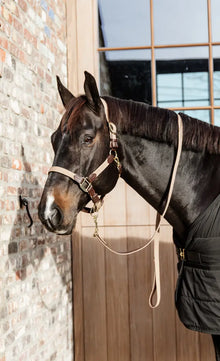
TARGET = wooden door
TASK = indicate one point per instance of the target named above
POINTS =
(113, 321)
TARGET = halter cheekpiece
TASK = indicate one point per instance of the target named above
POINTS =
(85, 183)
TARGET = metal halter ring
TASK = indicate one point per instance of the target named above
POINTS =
(114, 153)
(112, 128)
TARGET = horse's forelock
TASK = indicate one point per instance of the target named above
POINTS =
(72, 114)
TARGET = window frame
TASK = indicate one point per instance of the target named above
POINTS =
(152, 47)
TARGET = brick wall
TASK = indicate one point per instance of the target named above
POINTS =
(35, 266)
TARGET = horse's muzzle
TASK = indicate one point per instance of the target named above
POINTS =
(52, 217)
(55, 218)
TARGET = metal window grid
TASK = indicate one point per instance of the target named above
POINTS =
(210, 44)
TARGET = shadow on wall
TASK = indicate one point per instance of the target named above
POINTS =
(36, 254)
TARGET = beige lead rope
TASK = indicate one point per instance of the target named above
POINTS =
(156, 235)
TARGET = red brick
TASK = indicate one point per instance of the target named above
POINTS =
(30, 37)
(14, 50)
(11, 190)
(6, 14)
(23, 5)
(5, 27)
(48, 78)
(2, 55)
(16, 164)
(22, 57)
(25, 113)
(3, 43)
(27, 35)
(40, 72)
(8, 74)
(34, 41)
(25, 260)
(17, 25)
(42, 109)
(8, 206)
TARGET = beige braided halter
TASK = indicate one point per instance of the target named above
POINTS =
(155, 238)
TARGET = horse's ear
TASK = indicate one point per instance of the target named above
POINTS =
(91, 91)
(65, 94)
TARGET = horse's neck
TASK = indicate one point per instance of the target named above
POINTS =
(147, 167)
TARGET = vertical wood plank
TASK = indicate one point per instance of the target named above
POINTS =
(78, 331)
(117, 297)
(207, 351)
(137, 210)
(72, 46)
(95, 40)
(114, 206)
(88, 221)
(82, 15)
(141, 318)
(85, 23)
(94, 298)
(187, 343)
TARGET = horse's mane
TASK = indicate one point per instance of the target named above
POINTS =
(159, 124)
(143, 120)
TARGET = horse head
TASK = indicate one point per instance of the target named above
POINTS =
(80, 144)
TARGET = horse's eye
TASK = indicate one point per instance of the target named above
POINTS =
(87, 139)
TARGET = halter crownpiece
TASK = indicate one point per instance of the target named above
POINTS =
(85, 183)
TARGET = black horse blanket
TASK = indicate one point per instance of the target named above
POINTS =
(198, 284)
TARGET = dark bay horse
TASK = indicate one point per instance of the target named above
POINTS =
(146, 148)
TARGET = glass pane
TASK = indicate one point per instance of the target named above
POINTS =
(203, 115)
(215, 20)
(124, 23)
(126, 74)
(180, 21)
(182, 77)
(216, 75)
(217, 117)
(196, 87)
(169, 90)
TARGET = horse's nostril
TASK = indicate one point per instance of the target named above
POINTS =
(56, 217)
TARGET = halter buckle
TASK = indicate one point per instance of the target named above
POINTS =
(85, 185)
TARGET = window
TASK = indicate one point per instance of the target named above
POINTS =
(165, 52)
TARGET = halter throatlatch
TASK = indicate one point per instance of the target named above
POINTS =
(85, 183)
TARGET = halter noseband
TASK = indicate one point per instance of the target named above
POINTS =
(85, 183)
